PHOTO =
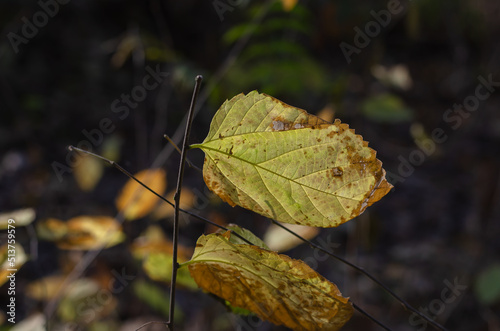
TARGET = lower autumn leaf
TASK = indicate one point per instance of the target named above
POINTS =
(276, 287)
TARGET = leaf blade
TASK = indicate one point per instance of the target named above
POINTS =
(286, 164)
(274, 286)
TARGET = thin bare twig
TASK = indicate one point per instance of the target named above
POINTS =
(373, 319)
(190, 164)
(177, 198)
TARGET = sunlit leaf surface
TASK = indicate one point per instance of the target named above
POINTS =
(273, 286)
(286, 164)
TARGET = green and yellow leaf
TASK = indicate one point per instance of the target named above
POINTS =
(286, 164)
(277, 288)
(155, 251)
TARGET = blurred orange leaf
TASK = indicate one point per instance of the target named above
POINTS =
(134, 200)
(288, 5)
(153, 240)
(82, 232)
(164, 210)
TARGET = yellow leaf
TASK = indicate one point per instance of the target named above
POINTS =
(273, 286)
(286, 164)
(89, 232)
(155, 250)
(281, 240)
(134, 200)
(88, 172)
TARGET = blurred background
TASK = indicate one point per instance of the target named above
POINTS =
(419, 80)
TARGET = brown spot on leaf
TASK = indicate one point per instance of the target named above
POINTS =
(337, 171)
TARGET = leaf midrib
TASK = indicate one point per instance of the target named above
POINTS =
(270, 171)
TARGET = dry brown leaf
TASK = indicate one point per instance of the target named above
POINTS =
(134, 200)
